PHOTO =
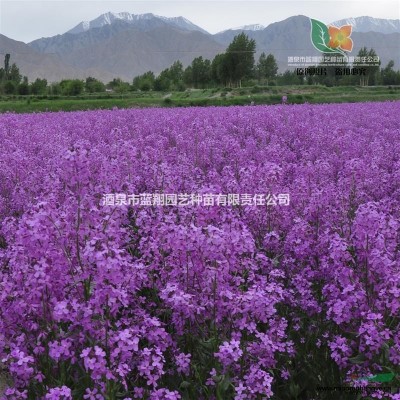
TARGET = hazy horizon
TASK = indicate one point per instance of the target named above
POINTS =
(27, 20)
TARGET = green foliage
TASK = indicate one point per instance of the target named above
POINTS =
(219, 71)
(200, 71)
(389, 76)
(175, 73)
(23, 88)
(238, 60)
(55, 101)
(171, 78)
(188, 76)
(39, 86)
(10, 87)
(290, 78)
(71, 87)
(162, 83)
(14, 74)
(180, 86)
(144, 82)
(55, 89)
(93, 85)
(256, 89)
(167, 101)
(372, 72)
(7, 64)
(10, 77)
(118, 85)
(267, 67)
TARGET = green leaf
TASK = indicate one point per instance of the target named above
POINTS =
(320, 36)
(184, 385)
(294, 390)
(209, 344)
(223, 386)
(225, 383)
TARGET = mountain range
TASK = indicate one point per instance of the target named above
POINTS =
(145, 21)
(125, 45)
(368, 24)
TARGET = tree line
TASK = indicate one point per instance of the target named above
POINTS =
(230, 69)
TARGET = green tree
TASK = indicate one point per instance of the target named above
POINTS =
(389, 76)
(71, 87)
(366, 63)
(170, 78)
(175, 72)
(10, 77)
(219, 70)
(93, 85)
(162, 83)
(201, 72)
(188, 76)
(55, 89)
(7, 65)
(267, 67)
(144, 82)
(39, 86)
(118, 85)
(14, 74)
(147, 82)
(239, 59)
(23, 88)
(124, 87)
(10, 87)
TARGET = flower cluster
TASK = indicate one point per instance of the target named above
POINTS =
(199, 302)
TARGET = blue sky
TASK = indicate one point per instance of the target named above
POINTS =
(31, 19)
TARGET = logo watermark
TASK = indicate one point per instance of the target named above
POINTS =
(331, 39)
(365, 390)
(336, 45)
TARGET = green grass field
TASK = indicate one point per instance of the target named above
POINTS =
(201, 97)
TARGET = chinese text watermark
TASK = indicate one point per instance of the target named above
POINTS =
(185, 199)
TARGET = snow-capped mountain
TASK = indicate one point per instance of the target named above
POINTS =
(252, 27)
(182, 23)
(140, 20)
(102, 20)
(369, 24)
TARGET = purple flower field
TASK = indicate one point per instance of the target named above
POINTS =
(201, 301)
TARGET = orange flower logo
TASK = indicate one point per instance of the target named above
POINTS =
(331, 39)
(340, 37)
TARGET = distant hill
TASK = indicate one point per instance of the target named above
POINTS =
(34, 65)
